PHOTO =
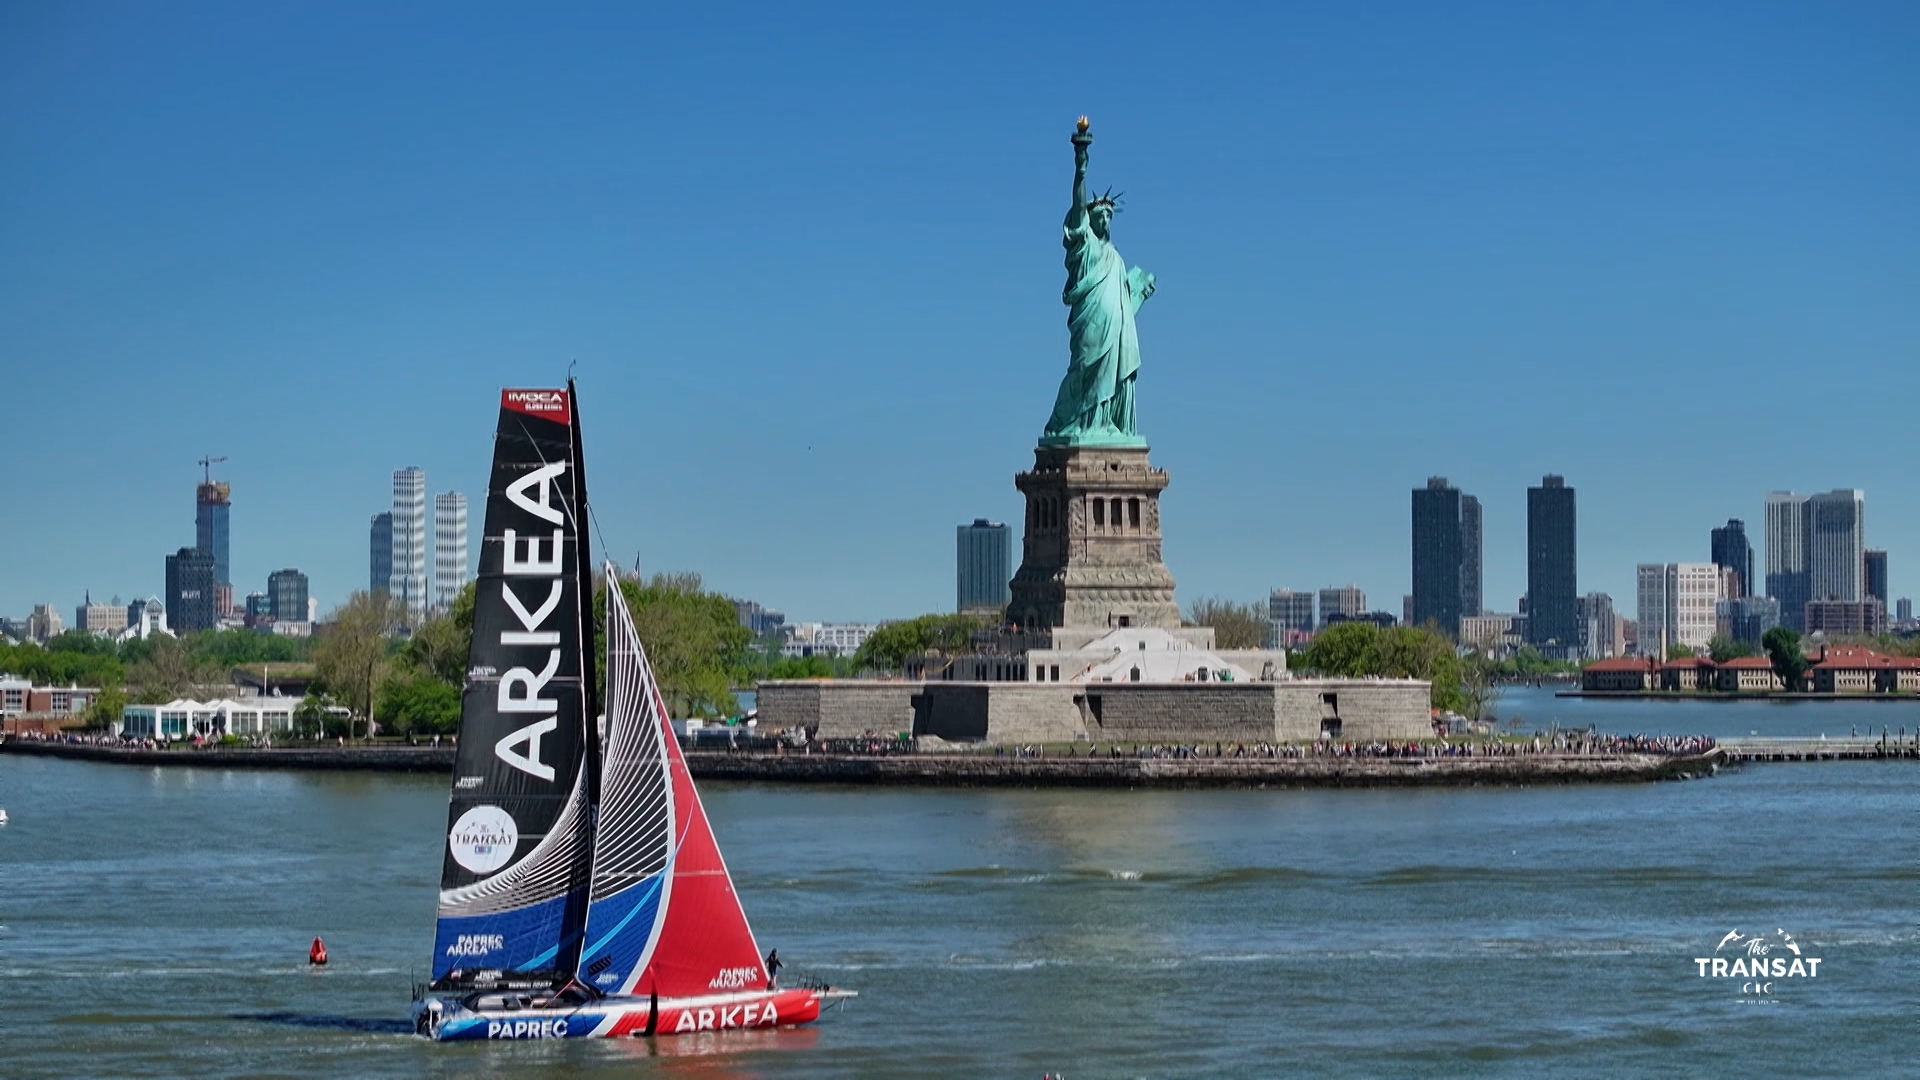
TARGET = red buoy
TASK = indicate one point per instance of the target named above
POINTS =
(318, 954)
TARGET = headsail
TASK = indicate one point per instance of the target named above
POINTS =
(519, 837)
(665, 919)
(634, 845)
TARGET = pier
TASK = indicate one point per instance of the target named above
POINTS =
(1809, 748)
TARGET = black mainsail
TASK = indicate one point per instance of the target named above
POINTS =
(514, 881)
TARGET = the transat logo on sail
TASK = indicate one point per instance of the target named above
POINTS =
(483, 839)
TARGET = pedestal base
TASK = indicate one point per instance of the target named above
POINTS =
(1091, 550)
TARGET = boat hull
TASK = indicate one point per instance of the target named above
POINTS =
(615, 1017)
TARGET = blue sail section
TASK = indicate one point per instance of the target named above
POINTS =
(523, 939)
(624, 925)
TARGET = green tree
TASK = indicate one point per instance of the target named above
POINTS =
(353, 657)
(693, 638)
(1723, 648)
(105, 710)
(1357, 650)
(1783, 649)
(230, 648)
(417, 704)
(1679, 652)
(888, 647)
(1343, 650)
(439, 646)
(1235, 626)
(170, 671)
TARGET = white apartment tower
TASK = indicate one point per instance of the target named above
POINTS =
(1678, 604)
(449, 547)
(410, 576)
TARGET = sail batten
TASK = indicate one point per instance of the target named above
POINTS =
(519, 838)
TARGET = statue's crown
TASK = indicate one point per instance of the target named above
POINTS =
(1109, 199)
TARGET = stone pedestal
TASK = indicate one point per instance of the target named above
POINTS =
(1091, 551)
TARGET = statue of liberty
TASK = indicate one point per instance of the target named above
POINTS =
(1095, 404)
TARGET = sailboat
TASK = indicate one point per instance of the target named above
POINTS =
(582, 893)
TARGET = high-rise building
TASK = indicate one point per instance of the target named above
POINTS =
(1787, 556)
(1471, 596)
(759, 619)
(190, 591)
(1600, 627)
(983, 566)
(1836, 541)
(1854, 618)
(1905, 609)
(287, 595)
(1747, 618)
(1439, 556)
(449, 547)
(380, 553)
(410, 574)
(1731, 550)
(1876, 577)
(43, 623)
(1679, 605)
(259, 609)
(1341, 604)
(212, 502)
(1291, 610)
(1553, 621)
(105, 619)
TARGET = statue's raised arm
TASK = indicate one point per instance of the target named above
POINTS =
(1077, 213)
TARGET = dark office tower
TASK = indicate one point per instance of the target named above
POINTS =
(190, 585)
(287, 592)
(380, 553)
(982, 566)
(1470, 593)
(1877, 576)
(1553, 619)
(1437, 557)
(1731, 550)
(211, 504)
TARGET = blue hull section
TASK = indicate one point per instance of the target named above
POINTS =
(618, 930)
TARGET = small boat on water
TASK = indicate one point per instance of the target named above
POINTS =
(582, 893)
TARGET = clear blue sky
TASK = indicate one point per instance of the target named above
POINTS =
(807, 260)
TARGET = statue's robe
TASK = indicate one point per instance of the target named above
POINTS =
(1096, 396)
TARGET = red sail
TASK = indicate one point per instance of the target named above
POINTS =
(705, 944)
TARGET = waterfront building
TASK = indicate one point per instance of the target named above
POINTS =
(1472, 601)
(1747, 674)
(1842, 669)
(828, 639)
(1440, 559)
(1731, 550)
(190, 591)
(44, 623)
(1835, 531)
(449, 548)
(108, 620)
(212, 504)
(20, 698)
(1341, 603)
(1621, 673)
(380, 553)
(1787, 556)
(1678, 605)
(410, 573)
(1875, 581)
(287, 593)
(1848, 618)
(983, 566)
(1747, 618)
(184, 718)
(1553, 622)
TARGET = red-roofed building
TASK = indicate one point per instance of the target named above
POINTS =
(1856, 669)
(1619, 673)
(1687, 673)
(1747, 674)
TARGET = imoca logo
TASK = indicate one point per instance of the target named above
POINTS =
(1762, 962)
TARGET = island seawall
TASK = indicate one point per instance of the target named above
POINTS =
(980, 770)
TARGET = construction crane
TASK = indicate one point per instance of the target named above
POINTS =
(207, 464)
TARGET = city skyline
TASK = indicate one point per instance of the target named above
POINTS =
(1433, 205)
